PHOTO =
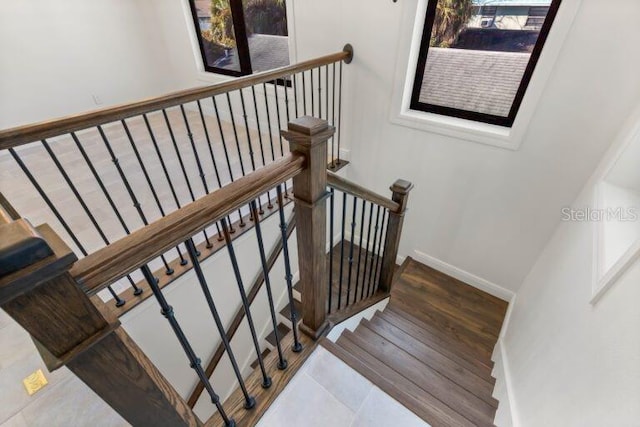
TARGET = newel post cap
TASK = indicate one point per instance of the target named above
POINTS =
(308, 130)
(401, 186)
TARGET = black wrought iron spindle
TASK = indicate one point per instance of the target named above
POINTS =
(326, 91)
(168, 270)
(165, 171)
(275, 89)
(339, 114)
(331, 220)
(266, 380)
(246, 126)
(364, 204)
(224, 146)
(380, 248)
(344, 214)
(366, 258)
(136, 290)
(182, 166)
(194, 360)
(353, 229)
(282, 363)
(374, 250)
(295, 93)
(320, 92)
(249, 401)
(213, 158)
(333, 116)
(119, 301)
(313, 103)
(286, 99)
(235, 133)
(304, 94)
(297, 347)
(196, 157)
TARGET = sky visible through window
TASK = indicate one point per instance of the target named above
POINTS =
(477, 56)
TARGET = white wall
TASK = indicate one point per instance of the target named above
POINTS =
(477, 209)
(56, 55)
(571, 363)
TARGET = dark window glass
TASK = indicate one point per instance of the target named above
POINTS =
(477, 57)
(239, 37)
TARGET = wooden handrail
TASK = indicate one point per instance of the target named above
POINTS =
(20, 135)
(112, 262)
(354, 189)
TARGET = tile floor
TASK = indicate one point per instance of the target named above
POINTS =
(327, 392)
(65, 401)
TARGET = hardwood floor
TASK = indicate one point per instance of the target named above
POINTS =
(431, 347)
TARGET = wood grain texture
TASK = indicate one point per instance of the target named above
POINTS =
(349, 187)
(309, 139)
(112, 262)
(431, 347)
(234, 405)
(24, 134)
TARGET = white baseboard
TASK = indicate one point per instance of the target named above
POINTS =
(464, 276)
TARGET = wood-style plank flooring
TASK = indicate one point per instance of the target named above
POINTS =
(431, 347)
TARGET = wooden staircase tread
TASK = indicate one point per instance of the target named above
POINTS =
(424, 405)
(432, 358)
(485, 320)
(429, 380)
(234, 404)
(417, 308)
(286, 311)
(282, 331)
(442, 343)
(264, 354)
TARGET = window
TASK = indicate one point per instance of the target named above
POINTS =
(474, 71)
(536, 17)
(240, 37)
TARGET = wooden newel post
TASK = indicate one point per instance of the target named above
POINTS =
(400, 189)
(308, 136)
(38, 292)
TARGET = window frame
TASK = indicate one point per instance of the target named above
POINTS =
(506, 122)
(241, 38)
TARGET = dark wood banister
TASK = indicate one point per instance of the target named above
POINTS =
(20, 135)
(109, 264)
(349, 187)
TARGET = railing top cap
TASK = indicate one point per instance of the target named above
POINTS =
(308, 125)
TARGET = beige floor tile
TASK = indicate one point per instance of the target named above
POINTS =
(381, 410)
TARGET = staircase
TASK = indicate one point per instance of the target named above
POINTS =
(431, 347)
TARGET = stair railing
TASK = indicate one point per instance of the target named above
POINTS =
(98, 176)
(367, 228)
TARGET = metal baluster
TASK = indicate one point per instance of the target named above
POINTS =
(331, 217)
(235, 134)
(249, 401)
(282, 363)
(273, 154)
(182, 167)
(183, 261)
(213, 158)
(380, 246)
(333, 116)
(297, 347)
(194, 361)
(266, 380)
(313, 103)
(264, 163)
(304, 94)
(168, 269)
(344, 214)
(224, 146)
(198, 163)
(353, 229)
(275, 88)
(373, 255)
(320, 92)
(286, 99)
(246, 125)
(339, 112)
(295, 93)
(125, 181)
(366, 257)
(119, 301)
(360, 248)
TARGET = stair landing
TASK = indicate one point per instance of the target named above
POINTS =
(430, 348)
